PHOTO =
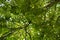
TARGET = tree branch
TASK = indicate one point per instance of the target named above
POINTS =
(51, 3)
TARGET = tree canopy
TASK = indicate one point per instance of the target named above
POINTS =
(29, 19)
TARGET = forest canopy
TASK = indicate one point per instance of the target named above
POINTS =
(29, 19)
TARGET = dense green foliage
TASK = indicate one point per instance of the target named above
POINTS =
(30, 20)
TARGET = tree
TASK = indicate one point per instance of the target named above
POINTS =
(29, 19)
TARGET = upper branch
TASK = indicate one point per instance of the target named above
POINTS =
(51, 3)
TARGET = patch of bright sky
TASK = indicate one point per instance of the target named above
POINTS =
(58, 5)
(8, 1)
(1, 5)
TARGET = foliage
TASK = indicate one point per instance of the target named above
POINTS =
(29, 19)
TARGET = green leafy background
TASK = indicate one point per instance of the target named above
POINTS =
(29, 20)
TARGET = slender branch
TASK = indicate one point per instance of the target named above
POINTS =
(29, 35)
(26, 30)
(51, 3)
(12, 30)
(3, 37)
